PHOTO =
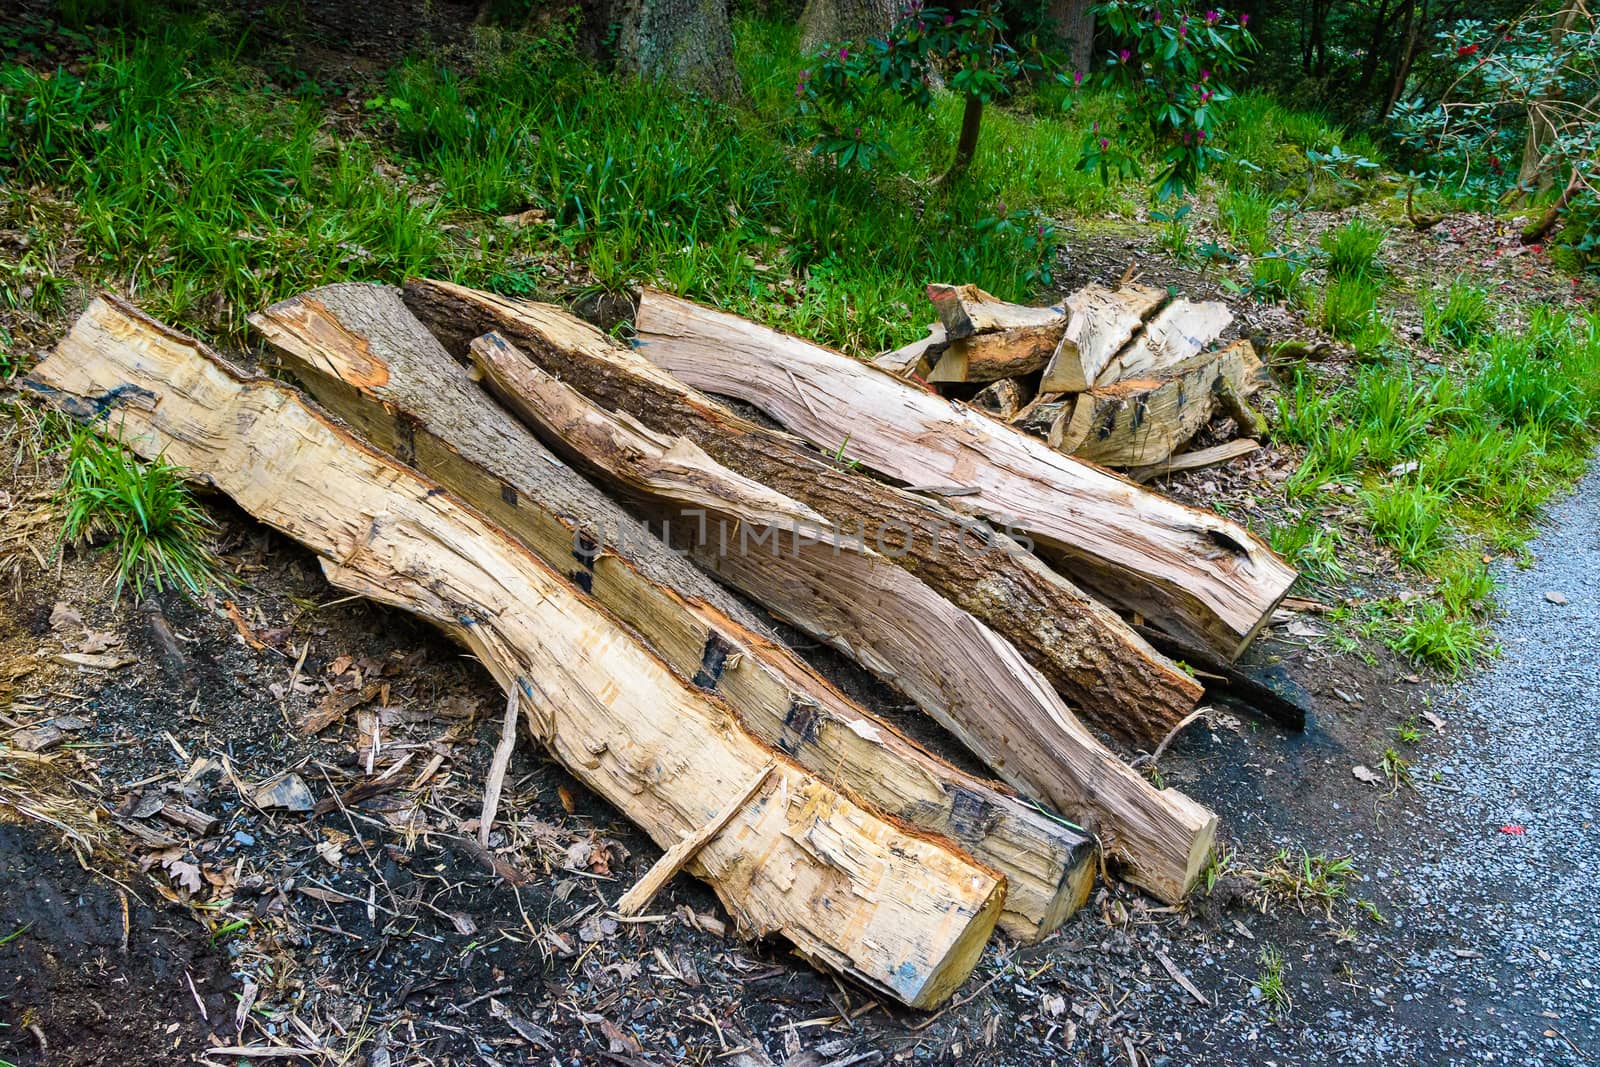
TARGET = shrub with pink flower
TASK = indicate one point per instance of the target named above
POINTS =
(1170, 66)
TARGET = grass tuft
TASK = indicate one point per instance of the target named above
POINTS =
(1352, 249)
(144, 510)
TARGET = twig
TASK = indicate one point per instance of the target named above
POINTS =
(497, 767)
(671, 862)
(1141, 759)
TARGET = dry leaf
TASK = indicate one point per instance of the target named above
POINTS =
(65, 617)
(1366, 774)
(1555, 598)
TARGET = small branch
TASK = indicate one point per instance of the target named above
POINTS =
(497, 768)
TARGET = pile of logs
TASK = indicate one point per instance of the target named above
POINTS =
(1122, 377)
(575, 513)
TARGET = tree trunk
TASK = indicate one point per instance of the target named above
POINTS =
(1369, 62)
(684, 41)
(845, 21)
(1403, 60)
(852, 891)
(341, 339)
(1073, 23)
(967, 142)
(1533, 176)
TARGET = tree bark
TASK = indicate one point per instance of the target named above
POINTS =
(367, 359)
(688, 42)
(958, 670)
(967, 140)
(1085, 650)
(1190, 572)
(851, 891)
(1073, 23)
(845, 21)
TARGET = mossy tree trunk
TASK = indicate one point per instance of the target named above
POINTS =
(826, 21)
(684, 41)
(1073, 22)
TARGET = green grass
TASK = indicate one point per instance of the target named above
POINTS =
(1303, 882)
(1270, 980)
(155, 528)
(1457, 317)
(1279, 275)
(1409, 518)
(1246, 217)
(1351, 250)
(1349, 306)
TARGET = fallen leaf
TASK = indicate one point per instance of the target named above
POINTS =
(1366, 774)
(65, 617)
(289, 792)
(184, 874)
(98, 641)
(1514, 829)
(1555, 598)
(565, 796)
(1435, 720)
(463, 923)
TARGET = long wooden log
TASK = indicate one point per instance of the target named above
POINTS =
(1190, 572)
(1139, 421)
(335, 338)
(851, 891)
(975, 683)
(1089, 654)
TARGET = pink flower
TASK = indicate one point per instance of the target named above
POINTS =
(1211, 18)
(1200, 135)
(1103, 144)
(1205, 75)
(844, 53)
(1244, 20)
(948, 19)
(1123, 54)
(1077, 78)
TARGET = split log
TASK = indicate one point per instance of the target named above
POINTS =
(1138, 422)
(1199, 458)
(1041, 414)
(1188, 571)
(973, 682)
(1011, 353)
(1177, 333)
(1087, 652)
(916, 358)
(965, 310)
(852, 892)
(335, 338)
(1002, 399)
(1100, 322)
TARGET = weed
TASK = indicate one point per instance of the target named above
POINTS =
(1372, 911)
(1349, 306)
(1442, 640)
(1409, 518)
(1279, 275)
(1466, 586)
(1458, 317)
(1351, 250)
(1246, 217)
(1396, 768)
(1219, 864)
(1304, 881)
(1270, 987)
(1409, 731)
(151, 518)
(1310, 544)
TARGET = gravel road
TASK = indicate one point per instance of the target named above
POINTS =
(1488, 875)
(1515, 885)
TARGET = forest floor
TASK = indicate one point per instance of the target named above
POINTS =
(1407, 880)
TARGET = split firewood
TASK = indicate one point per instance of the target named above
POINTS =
(190, 818)
(853, 893)
(1188, 571)
(1002, 399)
(916, 358)
(1139, 422)
(965, 310)
(1100, 322)
(974, 683)
(1084, 649)
(1200, 458)
(1176, 334)
(332, 338)
(1011, 353)
(1039, 415)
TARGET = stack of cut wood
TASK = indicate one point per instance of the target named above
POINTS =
(1123, 377)
(507, 455)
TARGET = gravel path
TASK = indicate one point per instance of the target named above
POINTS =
(1518, 879)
